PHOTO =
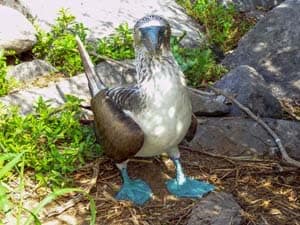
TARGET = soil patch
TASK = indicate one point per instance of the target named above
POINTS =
(267, 191)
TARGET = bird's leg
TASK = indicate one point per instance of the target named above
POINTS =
(184, 186)
(136, 191)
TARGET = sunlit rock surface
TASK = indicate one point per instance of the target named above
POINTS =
(16, 32)
(272, 48)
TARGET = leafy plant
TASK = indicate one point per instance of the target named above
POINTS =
(53, 141)
(198, 64)
(6, 84)
(59, 46)
(118, 46)
(224, 26)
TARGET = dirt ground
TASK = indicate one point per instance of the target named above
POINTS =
(267, 192)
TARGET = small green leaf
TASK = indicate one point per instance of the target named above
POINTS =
(10, 165)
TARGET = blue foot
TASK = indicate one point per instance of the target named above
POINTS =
(190, 188)
(183, 186)
(136, 191)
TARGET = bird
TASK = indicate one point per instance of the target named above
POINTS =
(147, 118)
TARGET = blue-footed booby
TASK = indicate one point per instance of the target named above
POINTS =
(146, 119)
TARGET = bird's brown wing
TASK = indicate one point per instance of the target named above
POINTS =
(192, 130)
(120, 136)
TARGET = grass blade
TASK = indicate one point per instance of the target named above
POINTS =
(10, 165)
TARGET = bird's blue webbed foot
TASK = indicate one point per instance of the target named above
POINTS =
(136, 191)
(183, 186)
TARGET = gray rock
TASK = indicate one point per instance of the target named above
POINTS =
(218, 208)
(208, 105)
(113, 75)
(249, 5)
(250, 89)
(16, 32)
(30, 70)
(103, 17)
(272, 47)
(15, 4)
(76, 86)
(234, 136)
(54, 93)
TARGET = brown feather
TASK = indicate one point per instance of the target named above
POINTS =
(120, 136)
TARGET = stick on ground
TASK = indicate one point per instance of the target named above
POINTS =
(282, 150)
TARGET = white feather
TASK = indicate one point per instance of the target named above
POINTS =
(167, 116)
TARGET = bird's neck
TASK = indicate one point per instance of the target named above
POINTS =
(157, 73)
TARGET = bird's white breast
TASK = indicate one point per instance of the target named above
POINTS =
(167, 115)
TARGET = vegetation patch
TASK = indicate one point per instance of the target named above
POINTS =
(118, 46)
(224, 26)
(53, 141)
(59, 46)
(198, 64)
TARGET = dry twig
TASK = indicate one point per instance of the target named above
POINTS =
(283, 152)
(228, 158)
(201, 92)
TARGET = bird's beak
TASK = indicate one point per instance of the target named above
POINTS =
(152, 38)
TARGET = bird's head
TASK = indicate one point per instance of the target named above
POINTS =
(152, 34)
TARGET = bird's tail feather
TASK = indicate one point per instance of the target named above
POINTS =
(94, 81)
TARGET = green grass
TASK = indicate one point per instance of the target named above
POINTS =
(198, 64)
(224, 26)
(53, 141)
(8, 162)
(118, 46)
(58, 46)
(50, 144)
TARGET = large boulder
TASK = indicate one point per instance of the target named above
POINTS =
(54, 93)
(250, 89)
(272, 48)
(15, 4)
(30, 70)
(16, 32)
(102, 17)
(236, 136)
(218, 208)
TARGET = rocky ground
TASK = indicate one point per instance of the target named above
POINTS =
(229, 149)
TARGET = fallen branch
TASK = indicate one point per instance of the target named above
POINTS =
(79, 197)
(228, 158)
(205, 93)
(277, 140)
